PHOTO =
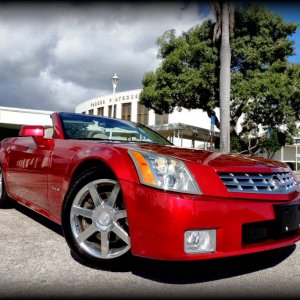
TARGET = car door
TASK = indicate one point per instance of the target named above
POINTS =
(28, 169)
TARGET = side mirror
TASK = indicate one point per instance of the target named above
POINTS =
(34, 131)
(37, 133)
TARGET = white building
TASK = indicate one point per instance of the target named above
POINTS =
(11, 119)
(183, 127)
(290, 153)
(186, 128)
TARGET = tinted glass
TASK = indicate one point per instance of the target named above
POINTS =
(91, 127)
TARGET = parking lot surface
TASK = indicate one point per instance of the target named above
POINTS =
(36, 263)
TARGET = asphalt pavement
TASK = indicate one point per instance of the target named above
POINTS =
(35, 262)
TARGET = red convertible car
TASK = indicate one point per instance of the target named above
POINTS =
(118, 188)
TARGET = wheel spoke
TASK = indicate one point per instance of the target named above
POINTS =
(121, 214)
(81, 211)
(94, 194)
(113, 195)
(83, 236)
(104, 244)
(121, 233)
(97, 217)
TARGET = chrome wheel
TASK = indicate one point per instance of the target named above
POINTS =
(98, 219)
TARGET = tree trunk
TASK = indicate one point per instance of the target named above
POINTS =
(225, 62)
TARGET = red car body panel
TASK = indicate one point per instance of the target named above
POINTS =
(38, 173)
(156, 233)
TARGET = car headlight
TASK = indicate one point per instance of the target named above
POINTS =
(164, 172)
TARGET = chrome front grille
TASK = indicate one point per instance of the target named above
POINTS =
(267, 183)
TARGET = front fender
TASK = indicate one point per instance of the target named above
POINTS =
(116, 159)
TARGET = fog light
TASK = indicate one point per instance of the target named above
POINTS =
(200, 241)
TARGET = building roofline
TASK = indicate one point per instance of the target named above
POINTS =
(24, 110)
(106, 96)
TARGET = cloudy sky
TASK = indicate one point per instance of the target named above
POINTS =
(54, 55)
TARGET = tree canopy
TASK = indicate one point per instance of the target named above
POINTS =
(265, 87)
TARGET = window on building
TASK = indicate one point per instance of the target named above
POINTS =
(91, 112)
(161, 119)
(100, 111)
(143, 114)
(110, 110)
(126, 111)
(83, 112)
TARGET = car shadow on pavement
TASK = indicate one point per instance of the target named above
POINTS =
(38, 218)
(183, 272)
(188, 272)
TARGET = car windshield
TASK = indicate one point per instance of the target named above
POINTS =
(90, 127)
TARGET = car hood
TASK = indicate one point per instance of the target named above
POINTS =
(208, 168)
(216, 160)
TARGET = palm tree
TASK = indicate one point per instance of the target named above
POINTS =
(224, 15)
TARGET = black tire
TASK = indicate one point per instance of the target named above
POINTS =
(5, 201)
(94, 222)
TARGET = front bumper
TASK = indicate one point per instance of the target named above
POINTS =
(158, 220)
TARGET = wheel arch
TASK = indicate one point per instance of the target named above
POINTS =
(89, 165)
(121, 168)
(84, 167)
(83, 173)
(3, 166)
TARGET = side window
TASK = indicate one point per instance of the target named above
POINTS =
(75, 130)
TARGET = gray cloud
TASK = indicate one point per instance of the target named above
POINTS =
(56, 55)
